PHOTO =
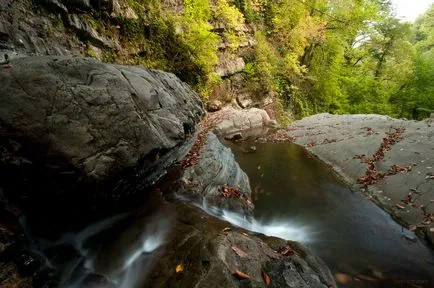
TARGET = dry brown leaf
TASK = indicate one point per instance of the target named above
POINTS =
(399, 206)
(241, 275)
(227, 229)
(179, 268)
(412, 228)
(286, 251)
(239, 252)
(266, 278)
(343, 279)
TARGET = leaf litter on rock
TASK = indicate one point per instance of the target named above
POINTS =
(240, 252)
(372, 175)
(285, 251)
(240, 275)
(266, 278)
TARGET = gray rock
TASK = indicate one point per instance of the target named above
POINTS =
(100, 118)
(4, 35)
(55, 4)
(230, 121)
(4, 3)
(214, 105)
(244, 101)
(272, 124)
(120, 8)
(85, 5)
(84, 29)
(217, 168)
(340, 140)
(228, 66)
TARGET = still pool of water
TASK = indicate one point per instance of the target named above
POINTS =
(352, 234)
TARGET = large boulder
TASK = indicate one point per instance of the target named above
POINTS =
(100, 118)
(389, 159)
(69, 120)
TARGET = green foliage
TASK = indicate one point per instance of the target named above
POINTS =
(314, 56)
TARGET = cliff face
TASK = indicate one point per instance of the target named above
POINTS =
(150, 33)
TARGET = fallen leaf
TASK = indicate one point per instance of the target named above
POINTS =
(179, 268)
(343, 279)
(366, 278)
(400, 206)
(239, 252)
(241, 275)
(227, 229)
(266, 278)
(412, 227)
(286, 251)
(245, 234)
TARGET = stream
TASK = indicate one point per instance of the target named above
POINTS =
(296, 197)
(352, 235)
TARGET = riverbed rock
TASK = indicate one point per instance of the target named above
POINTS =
(229, 121)
(216, 169)
(214, 105)
(348, 142)
(194, 249)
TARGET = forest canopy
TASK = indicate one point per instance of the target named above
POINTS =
(336, 56)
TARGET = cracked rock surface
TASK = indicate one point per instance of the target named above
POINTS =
(71, 129)
(100, 118)
(346, 141)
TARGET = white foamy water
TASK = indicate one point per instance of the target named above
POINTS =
(123, 259)
(278, 228)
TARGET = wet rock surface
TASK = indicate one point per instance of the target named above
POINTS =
(217, 179)
(198, 250)
(397, 155)
(78, 133)
(209, 258)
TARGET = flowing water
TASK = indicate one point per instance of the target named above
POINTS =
(296, 197)
(352, 234)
